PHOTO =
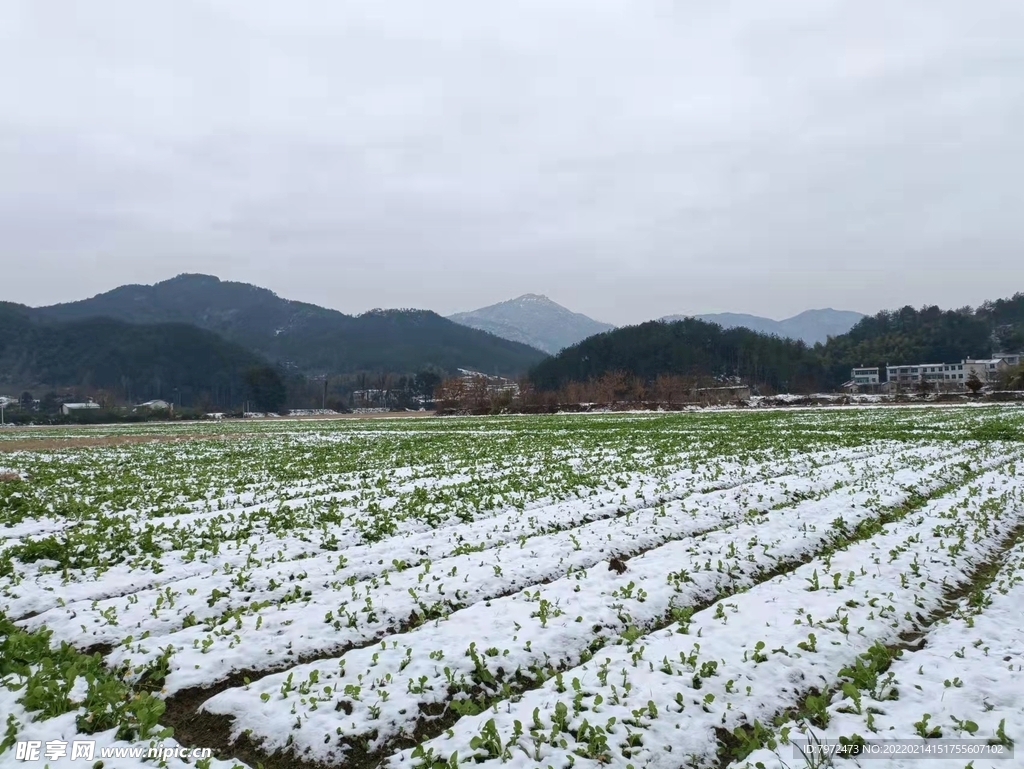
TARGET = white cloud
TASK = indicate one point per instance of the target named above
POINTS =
(629, 159)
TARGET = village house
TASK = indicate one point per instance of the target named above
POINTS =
(864, 376)
(987, 370)
(914, 374)
(863, 379)
(942, 376)
(155, 405)
(69, 408)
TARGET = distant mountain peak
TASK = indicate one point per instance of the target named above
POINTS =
(810, 326)
(533, 319)
(533, 298)
(191, 277)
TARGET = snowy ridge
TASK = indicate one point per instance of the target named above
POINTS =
(535, 320)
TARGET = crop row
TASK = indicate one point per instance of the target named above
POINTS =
(961, 680)
(747, 657)
(324, 617)
(278, 560)
(378, 584)
(507, 645)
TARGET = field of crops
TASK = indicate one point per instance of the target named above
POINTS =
(633, 590)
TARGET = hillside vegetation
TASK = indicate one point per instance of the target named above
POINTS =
(305, 338)
(133, 362)
(199, 334)
(686, 347)
(692, 347)
(928, 335)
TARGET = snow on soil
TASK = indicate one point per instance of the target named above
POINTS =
(632, 590)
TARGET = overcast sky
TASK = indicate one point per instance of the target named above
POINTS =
(628, 158)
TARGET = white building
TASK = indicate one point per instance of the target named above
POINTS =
(948, 376)
(932, 373)
(1011, 358)
(903, 375)
(987, 370)
(953, 374)
(67, 408)
(155, 405)
(864, 376)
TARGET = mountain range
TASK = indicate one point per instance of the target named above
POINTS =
(535, 320)
(199, 336)
(810, 326)
(301, 337)
(697, 349)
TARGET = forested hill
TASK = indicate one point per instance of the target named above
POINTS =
(134, 362)
(686, 347)
(197, 332)
(691, 346)
(304, 337)
(928, 335)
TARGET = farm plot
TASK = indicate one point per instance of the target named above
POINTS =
(645, 590)
(962, 679)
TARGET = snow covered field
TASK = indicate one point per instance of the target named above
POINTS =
(645, 590)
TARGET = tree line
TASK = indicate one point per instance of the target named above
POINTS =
(770, 364)
(121, 364)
